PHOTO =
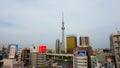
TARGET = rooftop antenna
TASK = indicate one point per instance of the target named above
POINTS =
(117, 28)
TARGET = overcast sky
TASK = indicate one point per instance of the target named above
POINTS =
(38, 22)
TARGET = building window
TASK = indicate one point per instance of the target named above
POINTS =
(119, 50)
(119, 38)
(115, 38)
(118, 43)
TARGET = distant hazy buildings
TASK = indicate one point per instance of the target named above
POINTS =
(57, 46)
(71, 43)
(115, 47)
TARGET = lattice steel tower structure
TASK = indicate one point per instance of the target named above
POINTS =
(63, 28)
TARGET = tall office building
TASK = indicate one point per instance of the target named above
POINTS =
(84, 41)
(115, 47)
(85, 46)
(71, 43)
(57, 46)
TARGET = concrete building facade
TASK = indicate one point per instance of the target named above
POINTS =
(19, 54)
(84, 41)
(25, 57)
(57, 46)
(37, 59)
(115, 47)
(80, 59)
(85, 46)
(93, 61)
(12, 63)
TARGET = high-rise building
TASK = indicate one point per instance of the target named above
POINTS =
(84, 41)
(57, 46)
(71, 43)
(115, 47)
(85, 46)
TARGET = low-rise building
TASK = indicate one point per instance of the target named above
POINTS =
(93, 61)
(12, 63)
(37, 59)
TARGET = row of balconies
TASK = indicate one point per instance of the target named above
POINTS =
(83, 63)
(40, 58)
(118, 59)
(40, 63)
(117, 44)
(116, 37)
(80, 67)
(80, 61)
(80, 58)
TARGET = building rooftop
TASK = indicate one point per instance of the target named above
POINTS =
(72, 35)
(116, 34)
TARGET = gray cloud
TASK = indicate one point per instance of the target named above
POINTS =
(41, 20)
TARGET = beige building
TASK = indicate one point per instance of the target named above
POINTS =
(84, 41)
(37, 59)
(85, 46)
(12, 63)
(19, 54)
(80, 61)
(115, 47)
(57, 46)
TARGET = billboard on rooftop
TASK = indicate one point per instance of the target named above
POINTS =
(42, 49)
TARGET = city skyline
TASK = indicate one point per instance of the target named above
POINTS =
(29, 22)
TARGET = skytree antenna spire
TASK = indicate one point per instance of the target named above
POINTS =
(63, 28)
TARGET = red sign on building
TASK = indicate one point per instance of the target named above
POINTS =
(109, 58)
(42, 49)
